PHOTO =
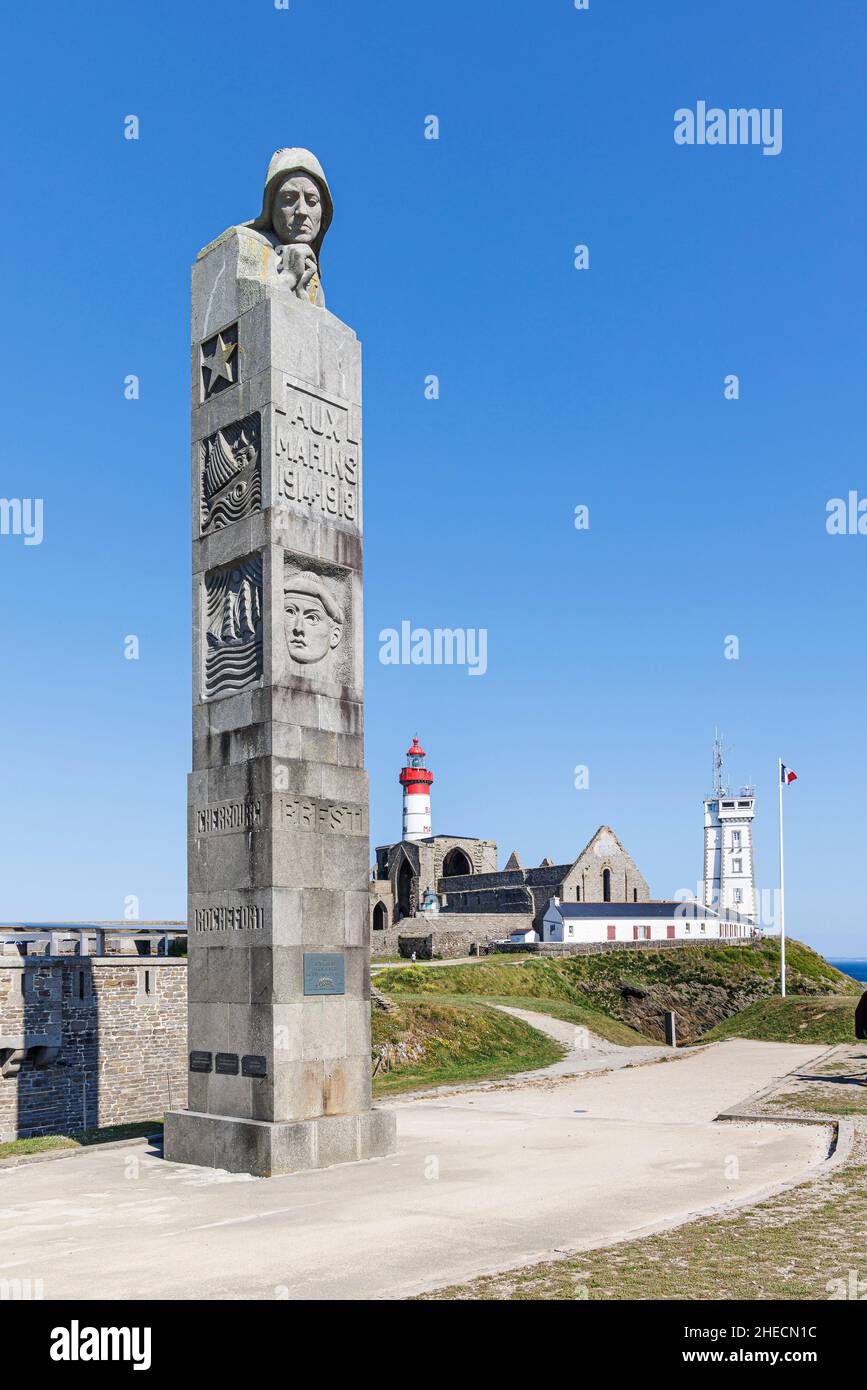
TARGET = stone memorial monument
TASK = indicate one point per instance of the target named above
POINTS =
(279, 975)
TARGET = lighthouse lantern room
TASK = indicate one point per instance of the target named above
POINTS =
(416, 781)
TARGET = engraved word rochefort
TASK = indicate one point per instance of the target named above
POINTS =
(229, 815)
(317, 459)
(244, 918)
(325, 816)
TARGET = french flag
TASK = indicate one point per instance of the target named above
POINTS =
(787, 776)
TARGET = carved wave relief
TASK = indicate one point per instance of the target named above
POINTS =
(231, 477)
(233, 636)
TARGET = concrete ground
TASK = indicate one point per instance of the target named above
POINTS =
(586, 1050)
(483, 1180)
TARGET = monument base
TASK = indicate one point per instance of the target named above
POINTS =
(269, 1150)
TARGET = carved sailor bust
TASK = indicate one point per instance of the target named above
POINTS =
(296, 213)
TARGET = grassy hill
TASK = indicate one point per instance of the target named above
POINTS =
(529, 984)
(828, 1018)
(704, 984)
(427, 1042)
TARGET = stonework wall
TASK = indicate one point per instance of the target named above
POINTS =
(604, 851)
(425, 860)
(598, 948)
(531, 889)
(386, 942)
(482, 855)
(90, 1041)
(513, 900)
(381, 897)
(455, 932)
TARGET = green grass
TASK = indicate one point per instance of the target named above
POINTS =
(582, 1015)
(704, 984)
(439, 1043)
(530, 979)
(849, 1100)
(79, 1139)
(825, 1018)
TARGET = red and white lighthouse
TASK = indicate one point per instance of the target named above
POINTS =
(416, 781)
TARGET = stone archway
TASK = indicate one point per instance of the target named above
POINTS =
(456, 863)
(404, 889)
(380, 917)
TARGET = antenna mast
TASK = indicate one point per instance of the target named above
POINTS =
(718, 785)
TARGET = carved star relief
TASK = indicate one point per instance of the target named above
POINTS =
(218, 363)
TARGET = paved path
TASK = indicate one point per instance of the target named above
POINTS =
(482, 1180)
(587, 1052)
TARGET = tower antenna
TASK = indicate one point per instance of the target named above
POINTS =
(718, 784)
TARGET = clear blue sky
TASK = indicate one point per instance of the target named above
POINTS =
(558, 387)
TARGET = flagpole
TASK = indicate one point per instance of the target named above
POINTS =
(782, 887)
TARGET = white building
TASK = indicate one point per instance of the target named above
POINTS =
(729, 867)
(525, 935)
(654, 921)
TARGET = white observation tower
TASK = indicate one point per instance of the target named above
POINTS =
(729, 868)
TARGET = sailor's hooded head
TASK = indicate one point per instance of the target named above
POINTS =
(296, 203)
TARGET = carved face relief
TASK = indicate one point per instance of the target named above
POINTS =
(297, 211)
(313, 622)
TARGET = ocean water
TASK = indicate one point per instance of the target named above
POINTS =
(856, 968)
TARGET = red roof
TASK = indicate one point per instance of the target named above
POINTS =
(416, 751)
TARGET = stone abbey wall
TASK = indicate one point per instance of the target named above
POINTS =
(601, 948)
(451, 934)
(90, 1041)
